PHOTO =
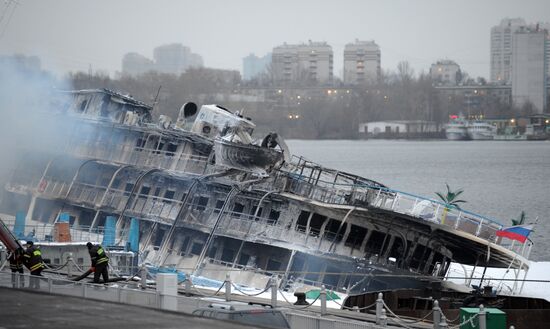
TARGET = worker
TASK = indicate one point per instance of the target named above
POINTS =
(100, 262)
(32, 258)
(16, 266)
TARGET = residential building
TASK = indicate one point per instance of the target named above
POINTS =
(501, 49)
(529, 67)
(305, 63)
(361, 62)
(446, 72)
(254, 65)
(175, 58)
(135, 64)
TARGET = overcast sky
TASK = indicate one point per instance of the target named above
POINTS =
(71, 35)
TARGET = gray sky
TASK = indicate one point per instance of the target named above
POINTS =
(71, 35)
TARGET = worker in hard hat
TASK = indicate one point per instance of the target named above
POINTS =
(32, 258)
(100, 262)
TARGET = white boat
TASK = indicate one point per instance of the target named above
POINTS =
(457, 129)
(481, 130)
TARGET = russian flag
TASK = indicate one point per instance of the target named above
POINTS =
(519, 233)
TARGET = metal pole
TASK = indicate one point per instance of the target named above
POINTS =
(50, 285)
(227, 288)
(273, 283)
(482, 317)
(188, 284)
(323, 296)
(143, 276)
(379, 307)
(436, 314)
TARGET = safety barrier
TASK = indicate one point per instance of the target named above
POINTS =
(128, 292)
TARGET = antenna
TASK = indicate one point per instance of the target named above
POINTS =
(156, 98)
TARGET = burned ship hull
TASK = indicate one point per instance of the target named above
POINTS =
(238, 208)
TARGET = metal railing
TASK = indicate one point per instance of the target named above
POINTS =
(362, 194)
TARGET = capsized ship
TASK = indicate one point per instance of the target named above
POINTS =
(210, 199)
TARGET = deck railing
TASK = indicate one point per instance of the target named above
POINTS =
(363, 193)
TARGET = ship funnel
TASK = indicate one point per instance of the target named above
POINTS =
(187, 110)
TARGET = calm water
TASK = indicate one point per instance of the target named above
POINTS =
(500, 179)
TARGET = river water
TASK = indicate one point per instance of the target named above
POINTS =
(499, 179)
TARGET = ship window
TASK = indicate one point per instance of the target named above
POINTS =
(80, 261)
(129, 187)
(301, 224)
(253, 211)
(169, 194)
(157, 191)
(171, 149)
(374, 243)
(228, 255)
(196, 248)
(144, 191)
(140, 144)
(331, 230)
(417, 256)
(356, 236)
(219, 205)
(238, 210)
(159, 237)
(158, 147)
(200, 203)
(273, 217)
(316, 223)
(273, 265)
(243, 259)
(184, 245)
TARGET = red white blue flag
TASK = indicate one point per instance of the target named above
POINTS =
(519, 233)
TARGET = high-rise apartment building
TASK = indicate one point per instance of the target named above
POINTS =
(529, 67)
(135, 64)
(308, 63)
(361, 62)
(501, 49)
(254, 65)
(446, 73)
(175, 58)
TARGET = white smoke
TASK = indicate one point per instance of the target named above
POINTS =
(28, 120)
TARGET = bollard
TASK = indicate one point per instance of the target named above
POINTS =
(356, 309)
(273, 285)
(383, 318)
(227, 288)
(50, 285)
(482, 317)
(69, 265)
(84, 293)
(143, 277)
(187, 284)
(436, 314)
(323, 297)
(512, 327)
(379, 307)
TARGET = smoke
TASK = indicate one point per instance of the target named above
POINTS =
(29, 120)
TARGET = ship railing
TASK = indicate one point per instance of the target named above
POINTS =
(405, 203)
(46, 232)
(139, 156)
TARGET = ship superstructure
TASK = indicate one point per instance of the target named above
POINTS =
(211, 199)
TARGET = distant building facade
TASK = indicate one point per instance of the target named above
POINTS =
(253, 65)
(361, 62)
(136, 64)
(173, 58)
(529, 67)
(445, 72)
(311, 62)
(501, 49)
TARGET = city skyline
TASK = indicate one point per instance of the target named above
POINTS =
(420, 32)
